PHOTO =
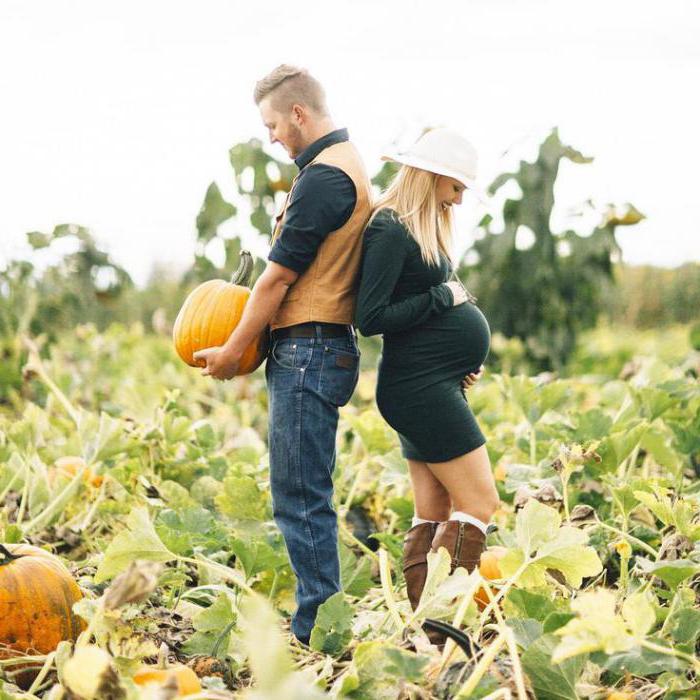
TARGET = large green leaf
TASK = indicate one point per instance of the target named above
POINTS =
(543, 544)
(332, 630)
(549, 680)
(138, 541)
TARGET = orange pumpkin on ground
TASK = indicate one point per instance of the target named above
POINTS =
(69, 467)
(186, 679)
(37, 593)
(211, 312)
(490, 570)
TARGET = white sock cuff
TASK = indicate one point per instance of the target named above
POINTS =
(417, 521)
(466, 518)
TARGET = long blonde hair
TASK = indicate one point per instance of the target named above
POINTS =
(412, 195)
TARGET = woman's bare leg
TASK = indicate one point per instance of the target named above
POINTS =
(432, 501)
(469, 482)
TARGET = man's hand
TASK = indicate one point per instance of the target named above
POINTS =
(220, 363)
(472, 378)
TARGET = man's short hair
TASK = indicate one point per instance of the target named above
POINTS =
(290, 85)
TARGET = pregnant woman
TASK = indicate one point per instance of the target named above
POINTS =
(435, 341)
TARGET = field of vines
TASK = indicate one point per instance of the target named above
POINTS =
(150, 483)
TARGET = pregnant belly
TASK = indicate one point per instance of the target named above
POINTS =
(449, 345)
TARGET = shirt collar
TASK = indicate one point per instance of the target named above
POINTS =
(311, 151)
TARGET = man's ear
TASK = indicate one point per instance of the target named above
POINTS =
(298, 114)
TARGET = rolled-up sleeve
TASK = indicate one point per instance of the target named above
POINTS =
(321, 202)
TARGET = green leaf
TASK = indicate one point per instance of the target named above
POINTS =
(267, 651)
(535, 524)
(217, 616)
(138, 541)
(639, 615)
(403, 664)
(442, 588)
(522, 603)
(355, 572)
(175, 495)
(256, 556)
(598, 627)
(526, 630)
(555, 620)
(373, 431)
(376, 665)
(332, 629)
(189, 529)
(544, 545)
(268, 656)
(672, 573)
(214, 211)
(242, 499)
(38, 240)
(684, 626)
(638, 661)
(551, 681)
(592, 425)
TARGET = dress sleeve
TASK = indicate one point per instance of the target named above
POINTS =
(384, 251)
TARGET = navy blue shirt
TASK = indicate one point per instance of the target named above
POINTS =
(322, 201)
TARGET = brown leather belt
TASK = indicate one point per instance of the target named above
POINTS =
(313, 329)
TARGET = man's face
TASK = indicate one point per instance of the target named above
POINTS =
(282, 127)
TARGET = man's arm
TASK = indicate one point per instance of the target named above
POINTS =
(266, 297)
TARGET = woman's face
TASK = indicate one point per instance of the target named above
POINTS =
(448, 191)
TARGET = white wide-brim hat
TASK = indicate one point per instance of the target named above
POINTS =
(444, 152)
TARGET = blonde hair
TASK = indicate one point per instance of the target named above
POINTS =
(412, 195)
(291, 85)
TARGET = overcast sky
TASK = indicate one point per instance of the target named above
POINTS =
(118, 115)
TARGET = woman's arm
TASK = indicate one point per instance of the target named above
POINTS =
(383, 256)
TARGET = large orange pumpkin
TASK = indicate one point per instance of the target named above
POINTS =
(211, 312)
(36, 598)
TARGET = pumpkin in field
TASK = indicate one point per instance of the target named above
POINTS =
(177, 676)
(69, 467)
(490, 570)
(185, 678)
(36, 597)
(211, 312)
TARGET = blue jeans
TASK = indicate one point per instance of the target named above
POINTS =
(308, 379)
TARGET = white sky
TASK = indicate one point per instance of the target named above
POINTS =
(118, 115)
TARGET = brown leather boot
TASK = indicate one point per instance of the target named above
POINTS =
(416, 545)
(465, 543)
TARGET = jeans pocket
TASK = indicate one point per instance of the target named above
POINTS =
(289, 354)
(340, 371)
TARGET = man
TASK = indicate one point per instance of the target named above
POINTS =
(307, 296)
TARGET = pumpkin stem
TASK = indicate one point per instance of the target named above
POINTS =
(6, 556)
(245, 269)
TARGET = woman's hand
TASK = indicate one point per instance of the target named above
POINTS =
(472, 378)
(459, 293)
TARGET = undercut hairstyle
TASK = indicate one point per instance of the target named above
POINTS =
(291, 85)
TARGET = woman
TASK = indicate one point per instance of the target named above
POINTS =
(435, 341)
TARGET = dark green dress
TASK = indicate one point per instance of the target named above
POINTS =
(429, 344)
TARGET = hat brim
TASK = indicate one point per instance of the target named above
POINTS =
(423, 164)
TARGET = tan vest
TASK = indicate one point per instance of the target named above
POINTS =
(327, 291)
